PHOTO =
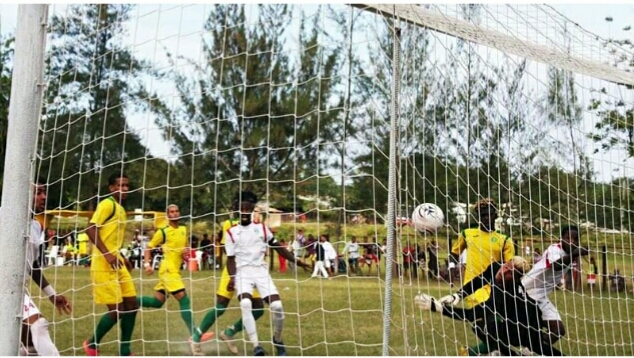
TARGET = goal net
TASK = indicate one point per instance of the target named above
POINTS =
(342, 119)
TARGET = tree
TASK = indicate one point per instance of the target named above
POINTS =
(253, 115)
(615, 130)
(6, 54)
(94, 84)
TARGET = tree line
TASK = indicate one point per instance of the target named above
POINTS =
(314, 122)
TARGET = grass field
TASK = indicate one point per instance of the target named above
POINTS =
(340, 317)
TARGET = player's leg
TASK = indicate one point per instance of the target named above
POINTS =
(228, 334)
(35, 330)
(246, 280)
(40, 338)
(156, 301)
(223, 297)
(552, 321)
(268, 290)
(130, 309)
(186, 309)
(106, 291)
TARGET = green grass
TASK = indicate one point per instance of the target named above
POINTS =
(331, 317)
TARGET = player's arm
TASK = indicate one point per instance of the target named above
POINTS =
(485, 278)
(230, 249)
(565, 261)
(35, 271)
(282, 251)
(157, 238)
(104, 208)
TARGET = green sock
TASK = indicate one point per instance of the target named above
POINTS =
(237, 327)
(186, 313)
(149, 301)
(103, 327)
(480, 348)
(209, 320)
(127, 327)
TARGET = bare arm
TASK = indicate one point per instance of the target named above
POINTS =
(36, 274)
(282, 251)
(565, 261)
(93, 235)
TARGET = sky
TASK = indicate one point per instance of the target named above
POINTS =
(156, 29)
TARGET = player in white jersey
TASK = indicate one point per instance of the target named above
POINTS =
(542, 279)
(352, 248)
(246, 246)
(35, 336)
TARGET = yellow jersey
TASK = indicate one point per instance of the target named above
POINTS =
(173, 240)
(483, 248)
(110, 219)
(82, 243)
(226, 225)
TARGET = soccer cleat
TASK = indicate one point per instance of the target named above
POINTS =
(228, 340)
(259, 351)
(91, 352)
(196, 349)
(279, 348)
(464, 351)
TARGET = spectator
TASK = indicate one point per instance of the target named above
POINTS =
(320, 257)
(352, 249)
(208, 251)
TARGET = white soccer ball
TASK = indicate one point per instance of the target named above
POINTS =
(428, 217)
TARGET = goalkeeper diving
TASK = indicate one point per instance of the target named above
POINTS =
(512, 318)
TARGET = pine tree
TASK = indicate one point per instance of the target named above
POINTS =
(93, 85)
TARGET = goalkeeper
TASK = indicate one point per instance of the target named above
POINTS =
(483, 246)
(516, 318)
(223, 298)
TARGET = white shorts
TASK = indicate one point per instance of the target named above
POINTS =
(328, 263)
(251, 277)
(549, 311)
(29, 308)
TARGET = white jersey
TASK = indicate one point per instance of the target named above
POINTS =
(329, 250)
(353, 250)
(542, 279)
(36, 240)
(249, 244)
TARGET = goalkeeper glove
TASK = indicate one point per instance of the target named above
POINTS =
(452, 299)
(427, 303)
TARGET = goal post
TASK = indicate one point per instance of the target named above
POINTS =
(25, 110)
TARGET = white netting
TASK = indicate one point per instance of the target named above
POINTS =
(197, 102)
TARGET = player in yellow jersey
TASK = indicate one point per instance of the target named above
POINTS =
(110, 275)
(483, 246)
(223, 298)
(173, 240)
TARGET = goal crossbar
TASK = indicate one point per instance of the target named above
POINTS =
(508, 44)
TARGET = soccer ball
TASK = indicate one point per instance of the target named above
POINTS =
(428, 217)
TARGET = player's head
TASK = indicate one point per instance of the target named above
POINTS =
(513, 269)
(569, 238)
(39, 196)
(173, 213)
(245, 203)
(486, 212)
(354, 239)
(119, 184)
(323, 238)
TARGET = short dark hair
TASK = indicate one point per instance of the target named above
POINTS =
(485, 204)
(567, 228)
(247, 196)
(40, 181)
(112, 179)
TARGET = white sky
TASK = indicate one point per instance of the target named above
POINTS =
(178, 28)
